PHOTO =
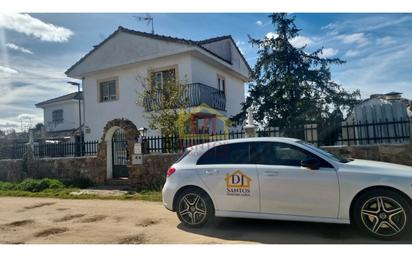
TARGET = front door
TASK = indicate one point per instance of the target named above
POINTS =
(230, 177)
(120, 154)
(289, 189)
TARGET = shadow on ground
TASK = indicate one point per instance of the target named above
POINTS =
(286, 232)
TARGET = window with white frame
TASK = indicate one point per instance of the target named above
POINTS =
(163, 77)
(221, 84)
(108, 90)
(57, 116)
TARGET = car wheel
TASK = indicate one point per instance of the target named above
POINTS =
(383, 214)
(194, 208)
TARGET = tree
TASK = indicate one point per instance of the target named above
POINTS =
(165, 103)
(290, 86)
(39, 126)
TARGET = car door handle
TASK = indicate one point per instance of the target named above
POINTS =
(271, 173)
(211, 172)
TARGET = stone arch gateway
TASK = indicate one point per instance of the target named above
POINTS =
(119, 136)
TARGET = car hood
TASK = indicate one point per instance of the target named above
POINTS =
(383, 168)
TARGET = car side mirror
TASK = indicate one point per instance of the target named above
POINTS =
(310, 163)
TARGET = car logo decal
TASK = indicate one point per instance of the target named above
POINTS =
(238, 183)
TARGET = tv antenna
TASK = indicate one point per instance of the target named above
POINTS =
(148, 19)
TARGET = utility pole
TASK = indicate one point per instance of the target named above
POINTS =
(80, 114)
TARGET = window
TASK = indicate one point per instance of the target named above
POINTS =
(237, 153)
(57, 116)
(269, 153)
(221, 84)
(108, 91)
(163, 77)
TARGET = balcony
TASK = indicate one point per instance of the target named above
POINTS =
(197, 94)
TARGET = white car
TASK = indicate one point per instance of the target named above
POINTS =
(288, 179)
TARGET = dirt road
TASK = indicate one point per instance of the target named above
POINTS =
(40, 220)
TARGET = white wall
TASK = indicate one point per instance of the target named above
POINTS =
(99, 113)
(126, 48)
(207, 74)
(70, 115)
(191, 69)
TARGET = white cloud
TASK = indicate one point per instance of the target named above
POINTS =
(7, 70)
(31, 26)
(328, 52)
(271, 35)
(357, 38)
(18, 48)
(368, 23)
(240, 44)
(384, 41)
(259, 23)
(26, 116)
(300, 41)
(352, 53)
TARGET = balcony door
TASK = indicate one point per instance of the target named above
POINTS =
(162, 78)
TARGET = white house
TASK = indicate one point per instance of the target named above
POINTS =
(61, 115)
(111, 73)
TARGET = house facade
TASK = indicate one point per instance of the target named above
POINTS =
(114, 73)
(61, 116)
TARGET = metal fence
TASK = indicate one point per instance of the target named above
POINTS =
(376, 132)
(12, 151)
(176, 143)
(327, 134)
(66, 149)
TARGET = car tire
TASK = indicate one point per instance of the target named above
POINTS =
(383, 214)
(194, 208)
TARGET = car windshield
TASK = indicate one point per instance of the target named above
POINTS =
(325, 153)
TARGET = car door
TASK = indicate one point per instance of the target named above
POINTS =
(288, 188)
(232, 179)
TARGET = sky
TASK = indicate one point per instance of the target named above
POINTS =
(36, 49)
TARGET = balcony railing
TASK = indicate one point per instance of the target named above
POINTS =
(197, 94)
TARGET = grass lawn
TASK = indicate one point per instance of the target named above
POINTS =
(55, 189)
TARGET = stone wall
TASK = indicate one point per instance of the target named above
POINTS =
(68, 168)
(11, 170)
(400, 154)
(59, 168)
(152, 173)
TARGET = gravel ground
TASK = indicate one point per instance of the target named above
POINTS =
(50, 221)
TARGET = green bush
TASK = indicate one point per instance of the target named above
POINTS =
(7, 186)
(36, 185)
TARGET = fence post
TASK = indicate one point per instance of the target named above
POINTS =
(250, 128)
(311, 133)
(410, 125)
(29, 151)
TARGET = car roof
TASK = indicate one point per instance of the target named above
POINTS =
(245, 140)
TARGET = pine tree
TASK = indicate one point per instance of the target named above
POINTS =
(290, 86)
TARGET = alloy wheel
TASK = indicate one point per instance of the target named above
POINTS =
(383, 216)
(192, 209)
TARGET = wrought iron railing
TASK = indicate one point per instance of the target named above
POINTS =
(329, 134)
(196, 94)
(66, 149)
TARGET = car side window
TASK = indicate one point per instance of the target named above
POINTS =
(289, 155)
(237, 153)
(208, 157)
(272, 153)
